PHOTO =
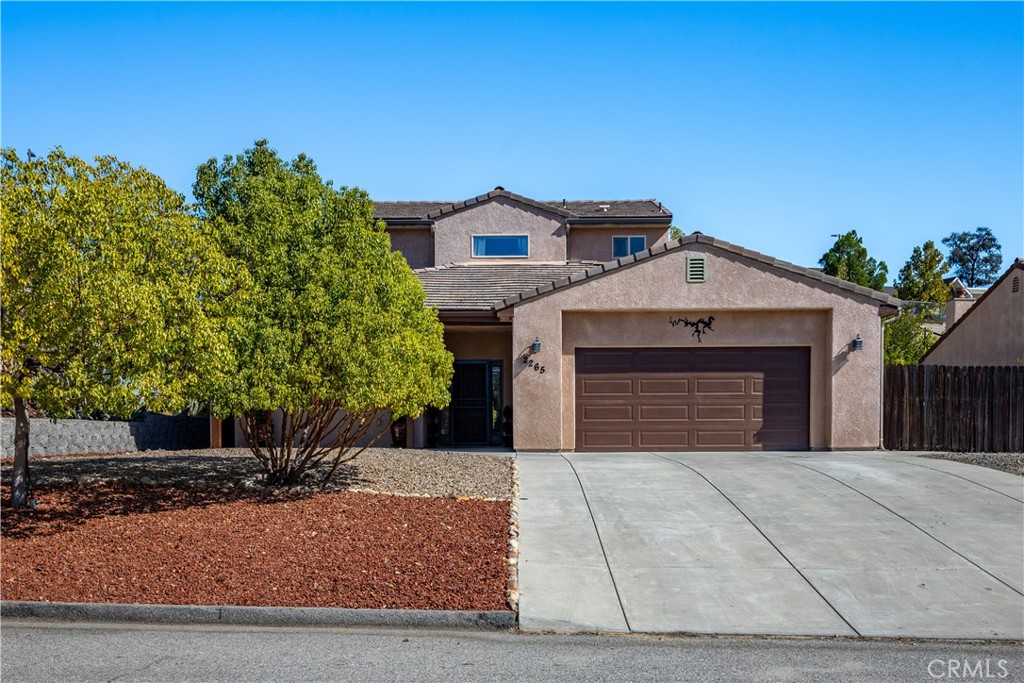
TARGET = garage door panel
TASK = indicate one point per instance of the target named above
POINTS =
(649, 413)
(787, 386)
(784, 413)
(597, 413)
(679, 386)
(719, 360)
(783, 440)
(608, 440)
(676, 440)
(718, 413)
(605, 387)
(605, 360)
(655, 360)
(686, 399)
(732, 386)
(707, 438)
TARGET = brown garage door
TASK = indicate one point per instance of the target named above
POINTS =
(692, 399)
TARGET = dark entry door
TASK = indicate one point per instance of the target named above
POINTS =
(470, 407)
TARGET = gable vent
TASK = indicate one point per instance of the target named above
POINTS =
(696, 268)
(1016, 284)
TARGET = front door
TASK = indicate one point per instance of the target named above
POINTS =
(471, 404)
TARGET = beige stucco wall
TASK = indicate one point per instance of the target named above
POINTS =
(955, 309)
(753, 305)
(482, 342)
(453, 241)
(416, 244)
(595, 244)
(993, 333)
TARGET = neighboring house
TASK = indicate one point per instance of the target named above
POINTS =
(601, 334)
(938, 317)
(988, 332)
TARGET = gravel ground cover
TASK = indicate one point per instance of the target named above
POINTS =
(401, 529)
(384, 470)
(1005, 462)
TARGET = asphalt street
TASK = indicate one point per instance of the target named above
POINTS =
(35, 651)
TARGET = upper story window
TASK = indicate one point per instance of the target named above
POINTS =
(627, 246)
(501, 246)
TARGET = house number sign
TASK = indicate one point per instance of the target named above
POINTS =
(537, 367)
(701, 326)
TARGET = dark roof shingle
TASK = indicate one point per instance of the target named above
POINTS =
(584, 209)
(482, 287)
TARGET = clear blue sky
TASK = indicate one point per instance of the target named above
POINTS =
(769, 125)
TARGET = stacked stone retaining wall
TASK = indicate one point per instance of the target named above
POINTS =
(153, 431)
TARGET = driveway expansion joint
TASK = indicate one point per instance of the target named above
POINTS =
(766, 538)
(600, 541)
(908, 521)
(954, 474)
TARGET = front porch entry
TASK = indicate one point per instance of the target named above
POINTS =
(475, 413)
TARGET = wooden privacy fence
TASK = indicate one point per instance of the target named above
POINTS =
(953, 408)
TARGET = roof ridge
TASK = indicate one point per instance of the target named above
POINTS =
(602, 200)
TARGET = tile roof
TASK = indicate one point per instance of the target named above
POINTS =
(594, 208)
(483, 287)
(611, 209)
(698, 238)
(385, 210)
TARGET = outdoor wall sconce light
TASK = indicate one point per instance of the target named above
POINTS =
(858, 343)
(535, 347)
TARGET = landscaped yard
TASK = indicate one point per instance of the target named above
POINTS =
(177, 528)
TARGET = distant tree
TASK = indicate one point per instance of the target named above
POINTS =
(338, 331)
(110, 296)
(907, 340)
(849, 260)
(675, 233)
(975, 256)
(920, 278)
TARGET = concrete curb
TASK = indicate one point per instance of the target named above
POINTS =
(253, 616)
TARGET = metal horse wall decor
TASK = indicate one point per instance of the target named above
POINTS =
(701, 326)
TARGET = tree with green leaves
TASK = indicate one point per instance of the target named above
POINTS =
(675, 233)
(975, 257)
(920, 278)
(111, 294)
(907, 339)
(848, 259)
(337, 333)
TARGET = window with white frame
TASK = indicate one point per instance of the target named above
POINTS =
(501, 246)
(628, 245)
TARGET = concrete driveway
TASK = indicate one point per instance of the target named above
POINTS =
(868, 544)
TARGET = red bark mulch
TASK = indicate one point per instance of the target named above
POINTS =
(160, 545)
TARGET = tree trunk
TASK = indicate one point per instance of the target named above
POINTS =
(20, 482)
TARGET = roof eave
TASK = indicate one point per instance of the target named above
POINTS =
(407, 222)
(467, 316)
(619, 221)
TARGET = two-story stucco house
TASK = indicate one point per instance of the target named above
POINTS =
(601, 333)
